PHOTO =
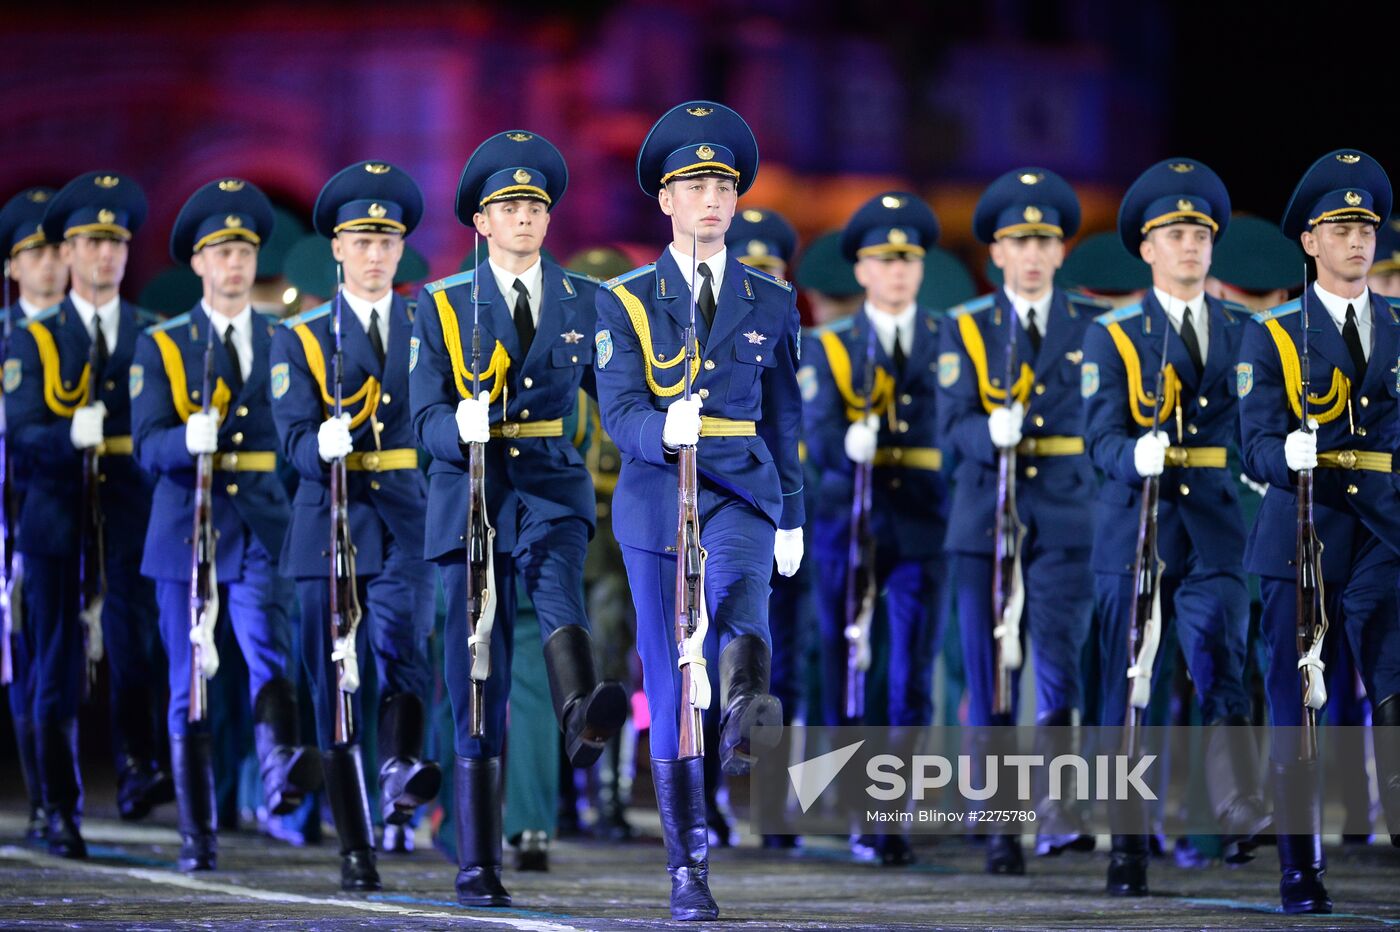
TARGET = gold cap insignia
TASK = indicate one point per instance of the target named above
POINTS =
(700, 111)
(892, 202)
(38, 229)
(1032, 178)
(377, 211)
(106, 181)
(753, 216)
(1181, 168)
(106, 216)
(38, 197)
(522, 176)
(898, 237)
(230, 184)
(1032, 214)
(1352, 198)
(519, 137)
(705, 152)
(1184, 204)
(233, 221)
(757, 248)
(1348, 158)
(376, 168)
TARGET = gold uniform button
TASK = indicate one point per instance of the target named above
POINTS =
(231, 488)
(529, 382)
(573, 359)
(1360, 431)
(904, 427)
(374, 484)
(1038, 421)
(68, 384)
(758, 358)
(1032, 472)
(1352, 489)
(906, 399)
(242, 411)
(704, 393)
(1184, 489)
(1365, 402)
(1040, 389)
(709, 364)
(602, 509)
(1192, 429)
(525, 415)
(386, 398)
(370, 461)
(514, 451)
(1203, 401)
(102, 477)
(895, 483)
(110, 385)
(238, 437)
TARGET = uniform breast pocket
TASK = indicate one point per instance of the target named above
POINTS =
(576, 355)
(750, 361)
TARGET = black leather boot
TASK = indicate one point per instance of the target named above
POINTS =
(1385, 732)
(613, 792)
(1298, 805)
(192, 760)
(37, 827)
(1059, 828)
(680, 798)
(288, 770)
(1234, 784)
(1004, 855)
(744, 668)
(345, 791)
(716, 819)
(894, 850)
(142, 783)
(406, 781)
(478, 811)
(589, 712)
(57, 745)
(1127, 866)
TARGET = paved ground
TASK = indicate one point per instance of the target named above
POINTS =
(130, 883)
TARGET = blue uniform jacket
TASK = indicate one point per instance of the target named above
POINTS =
(907, 504)
(547, 475)
(1355, 412)
(1052, 492)
(43, 386)
(748, 373)
(386, 504)
(1198, 508)
(166, 380)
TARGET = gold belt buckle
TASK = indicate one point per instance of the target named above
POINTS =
(1347, 458)
(1029, 443)
(1176, 456)
(511, 430)
(230, 462)
(370, 461)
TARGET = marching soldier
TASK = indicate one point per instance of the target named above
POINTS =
(1025, 216)
(1353, 342)
(532, 319)
(36, 268)
(1172, 216)
(365, 211)
(868, 392)
(68, 409)
(698, 159)
(217, 233)
(1385, 273)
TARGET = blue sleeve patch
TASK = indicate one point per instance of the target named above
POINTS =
(13, 372)
(413, 344)
(603, 343)
(281, 380)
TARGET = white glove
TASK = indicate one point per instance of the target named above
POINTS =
(1150, 454)
(682, 427)
(1004, 425)
(1300, 449)
(787, 551)
(861, 439)
(202, 433)
(333, 438)
(86, 429)
(474, 419)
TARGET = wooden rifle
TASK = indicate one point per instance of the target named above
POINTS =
(345, 611)
(1008, 592)
(204, 577)
(861, 587)
(1311, 610)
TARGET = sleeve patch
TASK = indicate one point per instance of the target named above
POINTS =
(413, 344)
(807, 383)
(1088, 380)
(603, 343)
(1244, 379)
(13, 373)
(136, 380)
(949, 367)
(281, 380)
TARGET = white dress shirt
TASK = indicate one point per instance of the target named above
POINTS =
(1024, 306)
(533, 280)
(887, 326)
(1176, 313)
(1337, 310)
(715, 262)
(31, 309)
(110, 314)
(363, 309)
(242, 334)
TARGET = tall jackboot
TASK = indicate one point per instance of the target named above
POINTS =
(406, 780)
(477, 786)
(57, 746)
(142, 783)
(1059, 827)
(1234, 784)
(680, 798)
(37, 827)
(589, 712)
(717, 820)
(613, 792)
(289, 771)
(345, 790)
(1128, 849)
(192, 760)
(1297, 805)
(744, 668)
(1385, 732)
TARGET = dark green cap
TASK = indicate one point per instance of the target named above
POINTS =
(1257, 257)
(821, 267)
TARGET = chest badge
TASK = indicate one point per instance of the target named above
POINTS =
(572, 337)
(756, 338)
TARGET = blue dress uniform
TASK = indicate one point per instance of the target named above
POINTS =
(750, 478)
(1200, 529)
(387, 498)
(1355, 506)
(250, 516)
(538, 491)
(1054, 479)
(46, 381)
(21, 228)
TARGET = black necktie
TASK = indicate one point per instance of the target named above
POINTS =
(235, 367)
(1351, 335)
(899, 358)
(1188, 337)
(524, 323)
(102, 351)
(1032, 330)
(705, 302)
(376, 342)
